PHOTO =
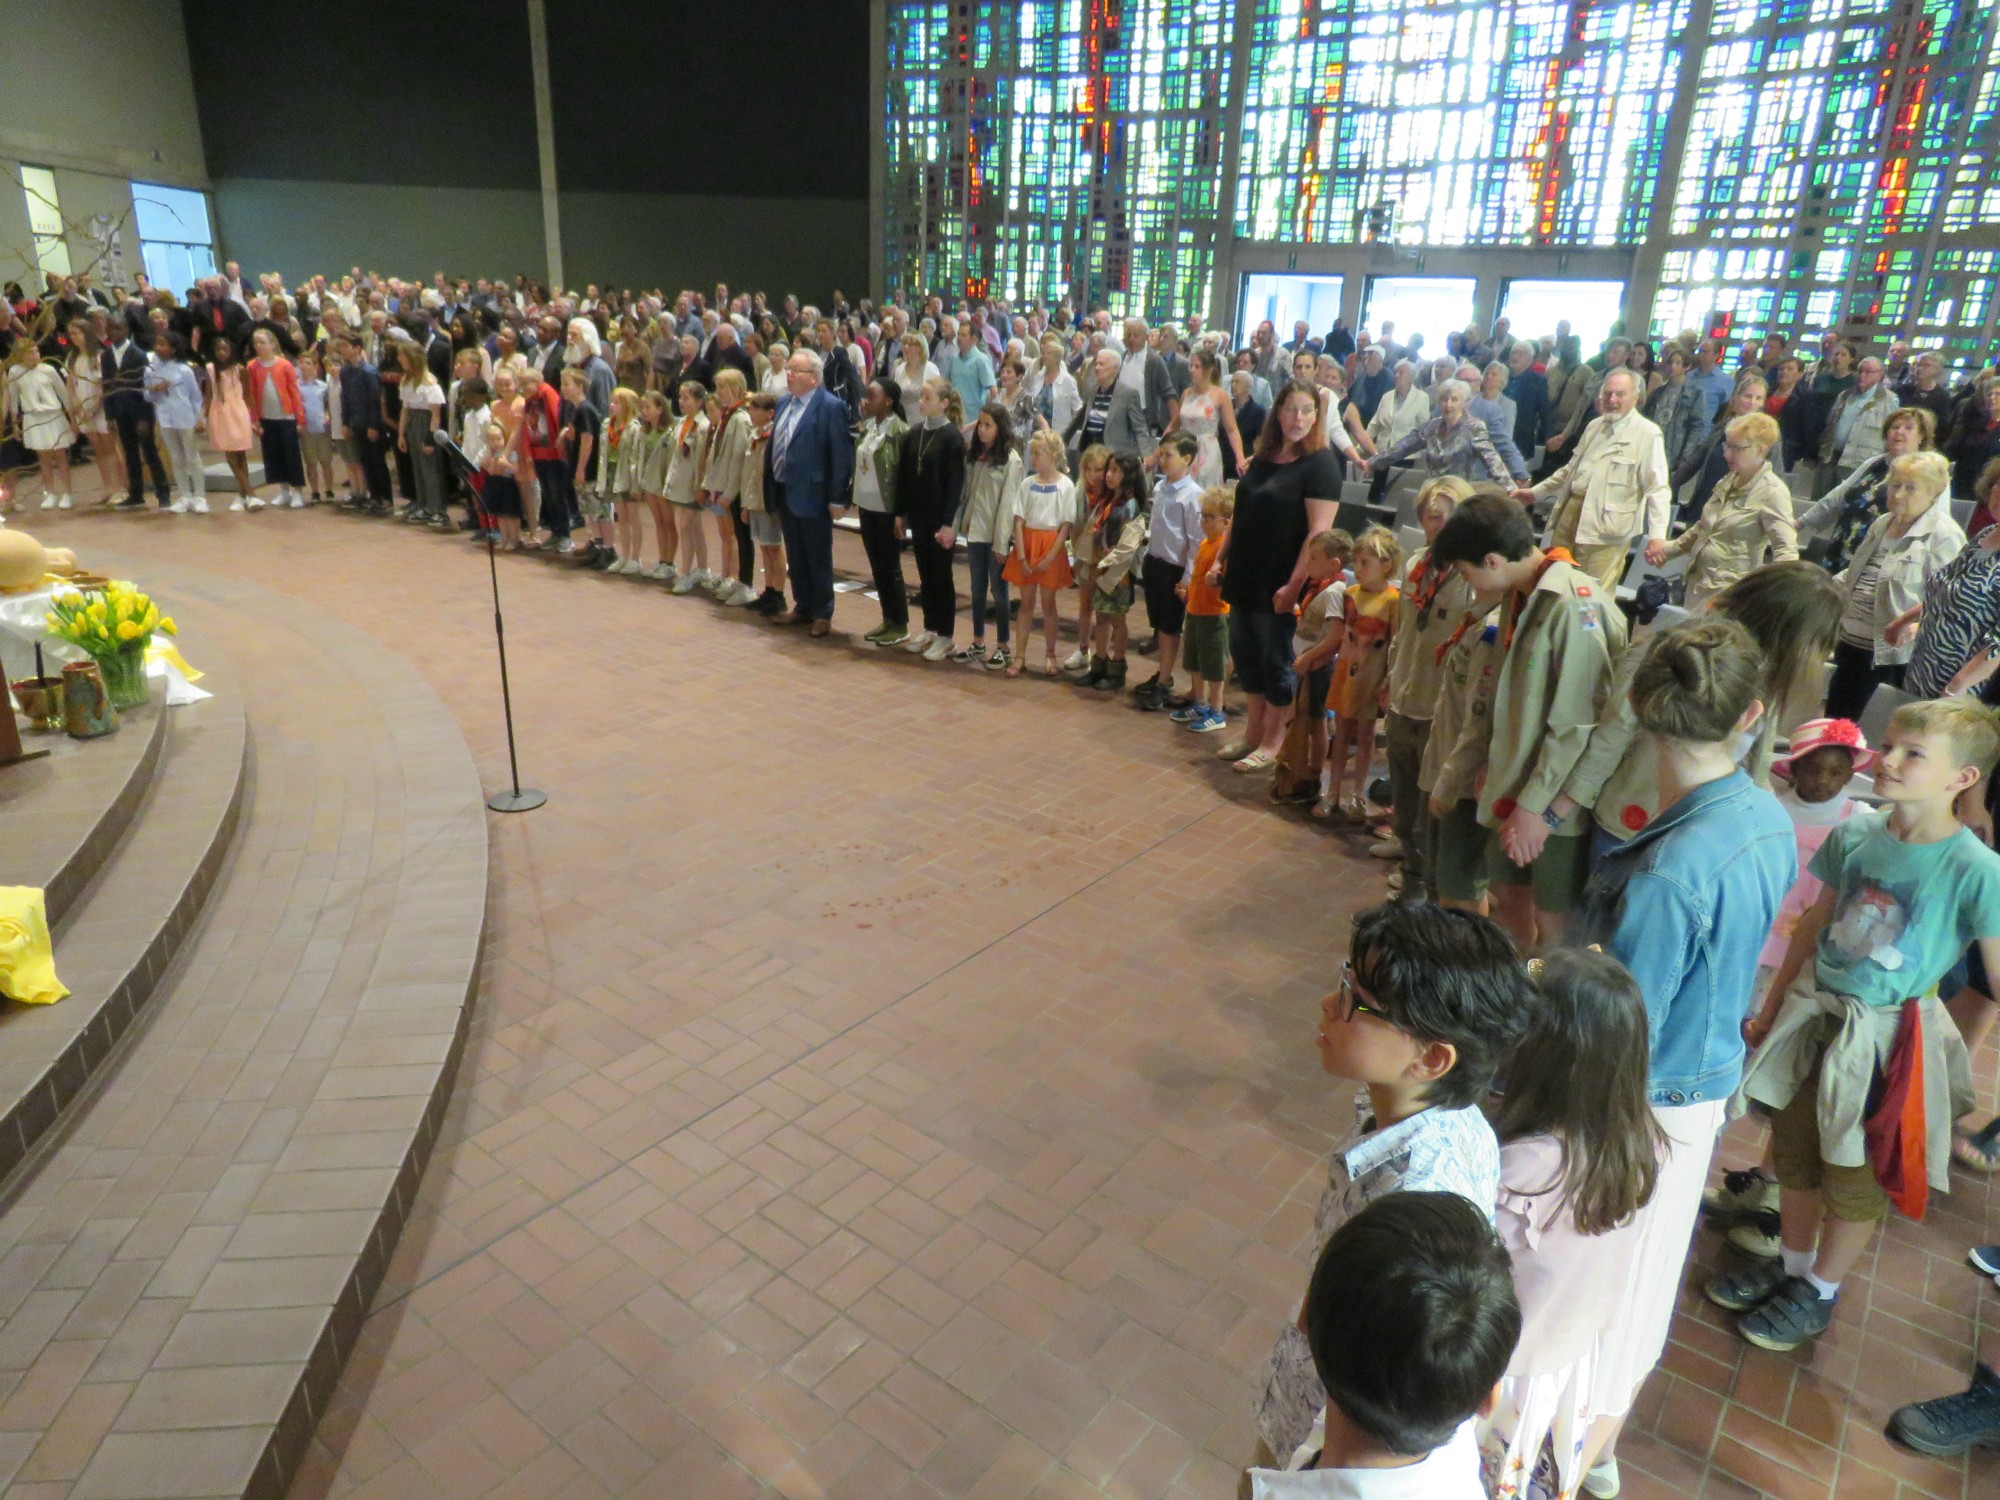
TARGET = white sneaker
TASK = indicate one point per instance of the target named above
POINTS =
(296, 500)
(662, 573)
(630, 566)
(687, 583)
(919, 642)
(254, 502)
(63, 503)
(236, 505)
(742, 593)
(180, 506)
(1077, 660)
(939, 648)
(48, 502)
(200, 503)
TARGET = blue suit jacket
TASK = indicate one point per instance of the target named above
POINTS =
(819, 461)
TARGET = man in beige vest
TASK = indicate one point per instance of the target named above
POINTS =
(1615, 487)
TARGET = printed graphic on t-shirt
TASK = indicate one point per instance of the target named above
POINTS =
(1869, 922)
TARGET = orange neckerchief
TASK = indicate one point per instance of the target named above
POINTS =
(687, 431)
(1519, 602)
(1555, 554)
(1425, 581)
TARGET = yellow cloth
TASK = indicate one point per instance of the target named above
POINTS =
(27, 960)
(159, 650)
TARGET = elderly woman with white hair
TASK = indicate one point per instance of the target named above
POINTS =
(585, 351)
(1451, 442)
(1885, 581)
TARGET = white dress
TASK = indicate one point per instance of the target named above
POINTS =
(1201, 417)
(41, 398)
(86, 383)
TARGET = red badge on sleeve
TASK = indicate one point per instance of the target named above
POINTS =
(1504, 808)
(1634, 817)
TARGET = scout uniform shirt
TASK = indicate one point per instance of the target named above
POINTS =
(1565, 638)
(1468, 668)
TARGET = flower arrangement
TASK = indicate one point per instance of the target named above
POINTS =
(112, 626)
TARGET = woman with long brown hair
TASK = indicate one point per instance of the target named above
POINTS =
(1290, 491)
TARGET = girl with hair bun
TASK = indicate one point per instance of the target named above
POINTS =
(1685, 905)
(1792, 612)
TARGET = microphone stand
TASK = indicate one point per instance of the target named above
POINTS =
(519, 799)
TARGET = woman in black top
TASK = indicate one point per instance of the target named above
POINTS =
(1287, 496)
(928, 486)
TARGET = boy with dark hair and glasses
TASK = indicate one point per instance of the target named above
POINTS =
(1430, 1004)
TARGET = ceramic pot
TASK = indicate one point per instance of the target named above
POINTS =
(87, 708)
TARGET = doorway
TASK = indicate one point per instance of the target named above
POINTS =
(1286, 298)
(1430, 305)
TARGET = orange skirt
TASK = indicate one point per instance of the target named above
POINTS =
(1047, 565)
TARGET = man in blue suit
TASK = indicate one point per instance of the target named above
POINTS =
(808, 465)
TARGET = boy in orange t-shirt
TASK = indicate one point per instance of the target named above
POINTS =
(1206, 643)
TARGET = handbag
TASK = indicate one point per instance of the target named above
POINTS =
(1290, 768)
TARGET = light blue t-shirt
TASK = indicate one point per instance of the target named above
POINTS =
(971, 375)
(1904, 913)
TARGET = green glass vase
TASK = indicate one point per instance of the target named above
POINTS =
(124, 673)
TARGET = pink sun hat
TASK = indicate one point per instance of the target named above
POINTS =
(1817, 734)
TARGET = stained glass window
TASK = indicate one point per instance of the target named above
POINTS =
(1830, 143)
(1456, 122)
(1797, 164)
(1040, 147)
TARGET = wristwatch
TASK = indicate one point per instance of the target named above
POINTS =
(1551, 817)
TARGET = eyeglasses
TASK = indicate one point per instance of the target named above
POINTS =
(1351, 1003)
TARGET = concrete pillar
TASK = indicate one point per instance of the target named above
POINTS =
(545, 139)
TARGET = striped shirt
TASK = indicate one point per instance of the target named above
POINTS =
(1961, 619)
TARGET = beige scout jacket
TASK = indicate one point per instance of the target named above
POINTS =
(728, 445)
(1743, 519)
(1550, 690)
(1617, 483)
(1422, 627)
(1466, 677)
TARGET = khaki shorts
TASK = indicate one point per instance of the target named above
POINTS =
(1205, 647)
(1852, 1194)
(316, 448)
(1557, 875)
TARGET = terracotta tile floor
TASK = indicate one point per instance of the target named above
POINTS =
(890, 1081)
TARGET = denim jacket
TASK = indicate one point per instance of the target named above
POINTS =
(1686, 906)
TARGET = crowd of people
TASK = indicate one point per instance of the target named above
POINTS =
(1644, 867)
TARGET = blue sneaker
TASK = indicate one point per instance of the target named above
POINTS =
(1188, 713)
(1210, 721)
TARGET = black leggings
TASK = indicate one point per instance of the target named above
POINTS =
(885, 563)
(746, 561)
(935, 585)
(1855, 676)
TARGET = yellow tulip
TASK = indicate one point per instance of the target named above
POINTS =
(127, 630)
(167, 624)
